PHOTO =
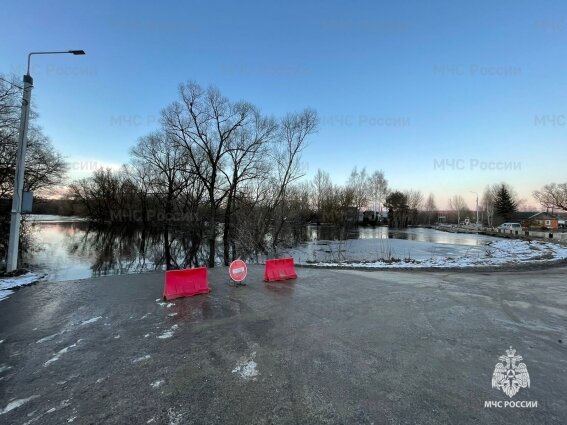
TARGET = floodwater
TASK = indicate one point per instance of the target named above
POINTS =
(65, 249)
(375, 243)
(418, 234)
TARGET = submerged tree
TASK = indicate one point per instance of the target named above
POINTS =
(321, 189)
(221, 165)
(415, 202)
(377, 188)
(203, 121)
(358, 183)
(290, 143)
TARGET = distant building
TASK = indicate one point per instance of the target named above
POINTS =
(537, 220)
(374, 217)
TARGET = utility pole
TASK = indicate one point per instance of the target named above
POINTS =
(476, 207)
(16, 213)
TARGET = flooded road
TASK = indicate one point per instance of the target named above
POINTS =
(332, 346)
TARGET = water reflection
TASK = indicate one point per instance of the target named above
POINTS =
(329, 233)
(74, 250)
(66, 250)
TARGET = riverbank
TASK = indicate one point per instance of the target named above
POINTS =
(332, 346)
(493, 254)
(558, 235)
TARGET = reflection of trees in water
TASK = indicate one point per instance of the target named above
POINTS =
(116, 250)
(26, 238)
(129, 249)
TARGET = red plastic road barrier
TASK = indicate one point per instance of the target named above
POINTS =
(279, 269)
(185, 283)
(238, 270)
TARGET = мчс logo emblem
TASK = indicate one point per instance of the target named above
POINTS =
(511, 375)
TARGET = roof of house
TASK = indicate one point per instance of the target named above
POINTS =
(532, 215)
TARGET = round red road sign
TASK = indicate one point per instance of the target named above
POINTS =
(238, 270)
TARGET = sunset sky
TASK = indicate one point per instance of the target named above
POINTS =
(445, 97)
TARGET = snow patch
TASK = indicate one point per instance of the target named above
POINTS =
(93, 320)
(169, 333)
(16, 403)
(247, 368)
(157, 383)
(71, 419)
(116, 336)
(9, 283)
(60, 353)
(172, 314)
(47, 338)
(164, 304)
(4, 368)
(141, 359)
(495, 253)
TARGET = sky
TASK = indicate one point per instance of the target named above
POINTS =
(445, 97)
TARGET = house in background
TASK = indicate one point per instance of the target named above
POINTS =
(374, 218)
(537, 220)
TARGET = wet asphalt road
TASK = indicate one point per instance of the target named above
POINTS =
(331, 347)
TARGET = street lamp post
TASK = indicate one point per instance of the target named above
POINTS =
(476, 207)
(16, 213)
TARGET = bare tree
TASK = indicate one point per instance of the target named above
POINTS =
(247, 151)
(430, 208)
(488, 203)
(414, 202)
(458, 204)
(203, 121)
(378, 188)
(552, 195)
(45, 167)
(108, 196)
(215, 160)
(294, 129)
(168, 169)
(322, 186)
(358, 183)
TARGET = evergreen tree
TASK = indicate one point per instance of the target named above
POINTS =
(398, 209)
(505, 204)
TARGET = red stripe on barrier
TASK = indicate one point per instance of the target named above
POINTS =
(185, 283)
(279, 269)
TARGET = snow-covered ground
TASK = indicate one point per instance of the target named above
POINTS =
(496, 252)
(9, 283)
